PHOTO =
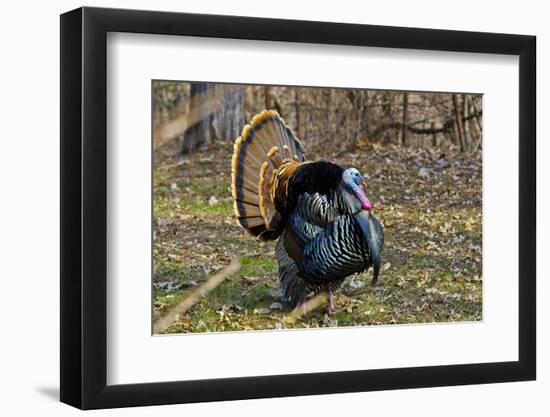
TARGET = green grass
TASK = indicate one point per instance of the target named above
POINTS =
(200, 208)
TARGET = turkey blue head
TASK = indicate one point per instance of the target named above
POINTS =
(354, 183)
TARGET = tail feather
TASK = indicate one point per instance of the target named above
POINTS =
(265, 149)
(251, 222)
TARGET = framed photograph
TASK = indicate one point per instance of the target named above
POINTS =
(257, 208)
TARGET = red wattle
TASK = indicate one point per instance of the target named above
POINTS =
(365, 203)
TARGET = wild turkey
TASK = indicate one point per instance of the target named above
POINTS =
(319, 211)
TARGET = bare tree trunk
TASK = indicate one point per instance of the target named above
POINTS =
(467, 121)
(331, 114)
(476, 126)
(458, 122)
(267, 95)
(453, 137)
(405, 118)
(202, 132)
(222, 122)
(305, 120)
(434, 135)
(297, 110)
(387, 114)
(364, 112)
(229, 120)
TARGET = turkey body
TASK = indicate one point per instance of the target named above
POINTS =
(323, 233)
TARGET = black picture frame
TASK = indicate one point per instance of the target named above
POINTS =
(84, 207)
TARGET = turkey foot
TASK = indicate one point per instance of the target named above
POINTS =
(330, 304)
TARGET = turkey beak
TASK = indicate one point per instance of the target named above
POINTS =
(365, 222)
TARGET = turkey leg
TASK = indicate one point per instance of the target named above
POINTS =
(330, 305)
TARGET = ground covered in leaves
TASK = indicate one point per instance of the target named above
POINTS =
(429, 204)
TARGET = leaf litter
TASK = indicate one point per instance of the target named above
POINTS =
(431, 208)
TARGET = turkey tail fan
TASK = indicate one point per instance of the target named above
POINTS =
(264, 157)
